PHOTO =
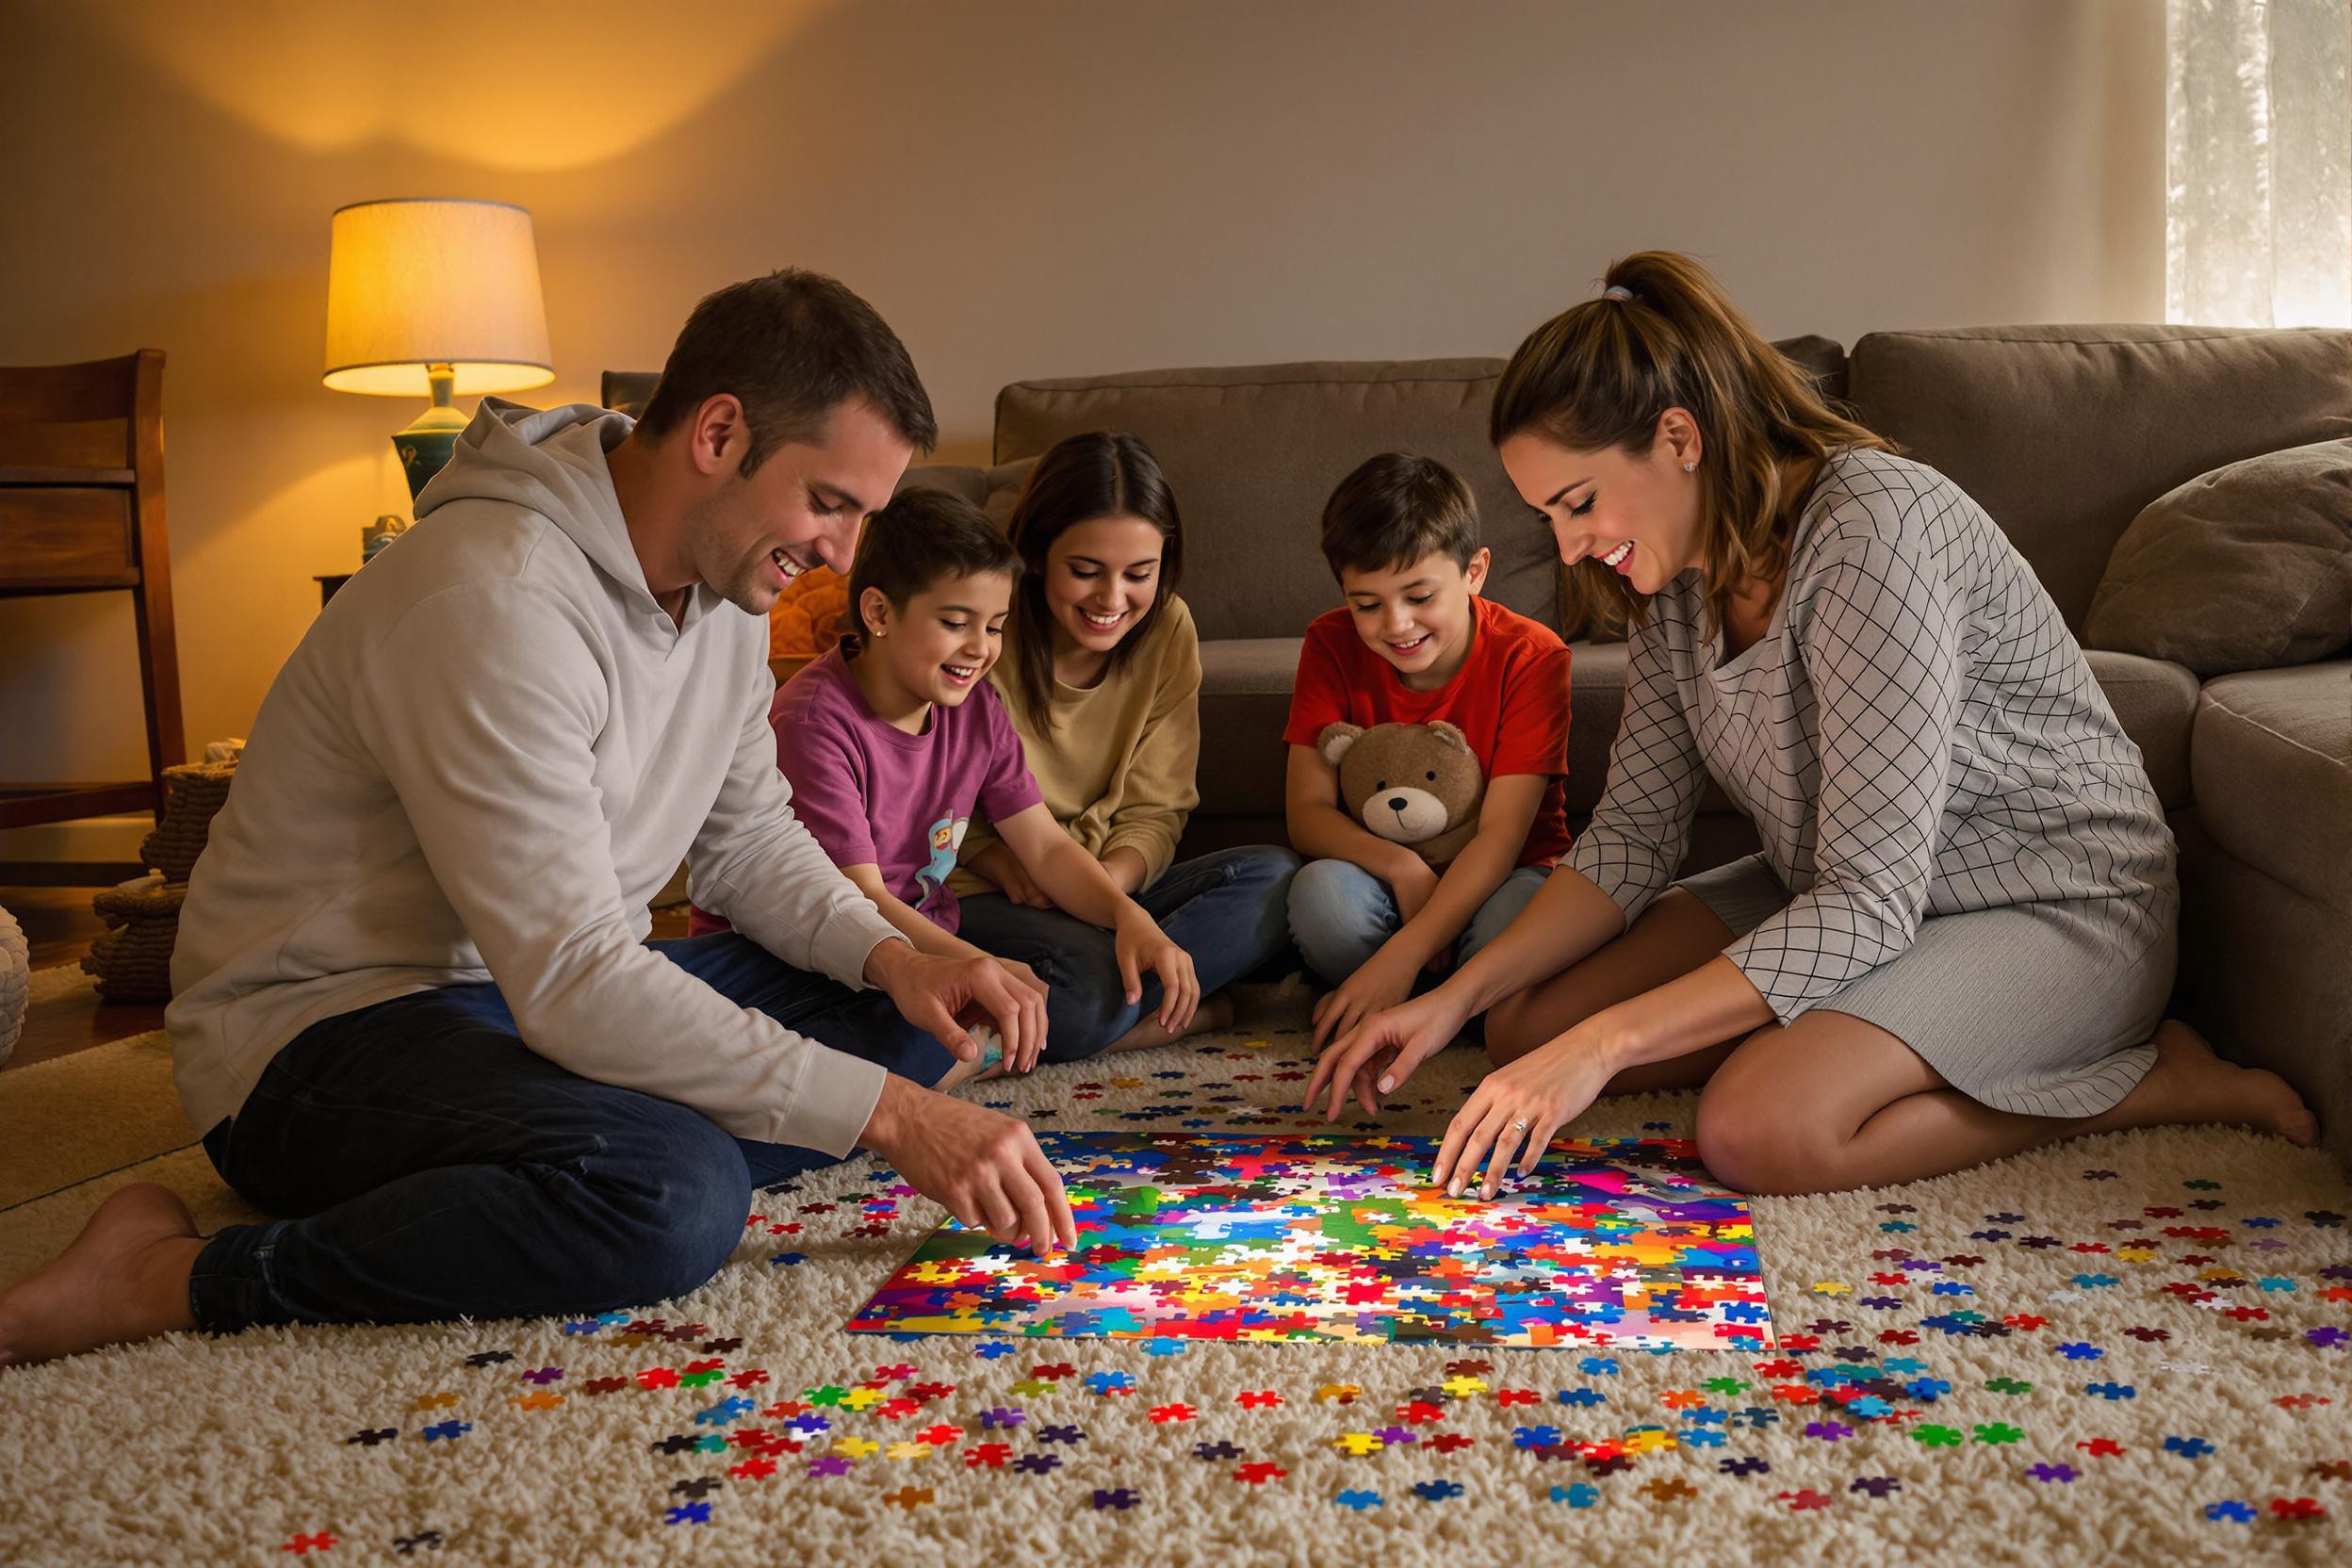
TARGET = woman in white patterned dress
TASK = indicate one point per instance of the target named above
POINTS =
(1959, 937)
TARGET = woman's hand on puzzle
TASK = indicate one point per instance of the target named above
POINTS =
(1378, 1054)
(1514, 1112)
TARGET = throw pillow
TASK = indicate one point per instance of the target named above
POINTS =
(2247, 567)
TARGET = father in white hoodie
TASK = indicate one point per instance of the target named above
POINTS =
(416, 1008)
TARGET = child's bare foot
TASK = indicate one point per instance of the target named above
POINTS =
(2190, 1085)
(1216, 1012)
(124, 1278)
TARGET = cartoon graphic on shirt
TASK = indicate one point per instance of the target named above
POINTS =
(947, 837)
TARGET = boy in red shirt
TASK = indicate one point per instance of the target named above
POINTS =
(1417, 644)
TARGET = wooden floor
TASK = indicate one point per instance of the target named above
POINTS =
(60, 924)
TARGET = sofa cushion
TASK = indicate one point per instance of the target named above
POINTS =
(2245, 568)
(2272, 761)
(2156, 703)
(2063, 434)
(1597, 700)
(957, 479)
(628, 390)
(2266, 975)
(1245, 702)
(1253, 452)
(1003, 484)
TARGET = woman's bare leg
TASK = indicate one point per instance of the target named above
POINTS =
(1676, 934)
(1831, 1103)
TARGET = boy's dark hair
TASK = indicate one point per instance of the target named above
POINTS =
(1397, 509)
(791, 347)
(922, 537)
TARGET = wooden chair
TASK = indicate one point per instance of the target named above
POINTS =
(81, 511)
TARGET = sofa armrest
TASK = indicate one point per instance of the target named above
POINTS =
(2156, 703)
(2271, 758)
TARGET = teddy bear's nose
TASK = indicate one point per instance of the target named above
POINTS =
(1397, 803)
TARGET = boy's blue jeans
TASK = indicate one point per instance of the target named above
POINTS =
(437, 1168)
(1225, 909)
(1340, 914)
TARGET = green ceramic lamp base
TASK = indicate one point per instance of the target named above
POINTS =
(426, 445)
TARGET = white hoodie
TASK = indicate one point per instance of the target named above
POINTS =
(489, 753)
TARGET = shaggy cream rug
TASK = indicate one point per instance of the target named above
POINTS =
(2129, 1350)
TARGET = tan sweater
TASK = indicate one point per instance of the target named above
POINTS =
(1118, 769)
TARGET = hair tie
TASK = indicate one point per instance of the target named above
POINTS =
(1617, 291)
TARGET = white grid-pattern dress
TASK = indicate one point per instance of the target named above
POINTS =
(1960, 841)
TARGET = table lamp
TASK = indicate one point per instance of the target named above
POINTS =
(439, 298)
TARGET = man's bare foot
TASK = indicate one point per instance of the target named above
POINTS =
(2190, 1085)
(124, 1278)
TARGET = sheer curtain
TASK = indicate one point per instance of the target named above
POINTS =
(2257, 127)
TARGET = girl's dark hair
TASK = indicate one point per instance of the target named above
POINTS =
(1664, 335)
(922, 537)
(1097, 473)
(791, 347)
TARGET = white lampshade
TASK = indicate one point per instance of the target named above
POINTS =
(422, 282)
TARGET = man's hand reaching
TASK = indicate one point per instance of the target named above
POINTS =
(984, 1166)
(947, 997)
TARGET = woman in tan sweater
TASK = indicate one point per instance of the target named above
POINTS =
(1101, 674)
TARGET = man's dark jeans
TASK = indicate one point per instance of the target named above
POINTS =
(438, 1167)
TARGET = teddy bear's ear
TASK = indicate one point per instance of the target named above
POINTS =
(1335, 740)
(1450, 735)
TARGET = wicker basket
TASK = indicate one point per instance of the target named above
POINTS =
(16, 978)
(133, 958)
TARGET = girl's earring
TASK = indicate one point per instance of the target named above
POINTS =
(1690, 467)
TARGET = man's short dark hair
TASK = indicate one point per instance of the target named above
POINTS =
(1397, 509)
(922, 537)
(791, 347)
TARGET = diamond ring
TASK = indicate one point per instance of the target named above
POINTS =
(1521, 1124)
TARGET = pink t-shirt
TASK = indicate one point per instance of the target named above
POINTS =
(874, 795)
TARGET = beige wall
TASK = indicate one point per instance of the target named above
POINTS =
(1022, 189)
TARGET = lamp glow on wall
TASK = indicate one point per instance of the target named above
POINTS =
(436, 298)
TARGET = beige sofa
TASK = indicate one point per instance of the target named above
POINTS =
(2062, 434)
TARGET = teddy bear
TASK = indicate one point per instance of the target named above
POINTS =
(1413, 784)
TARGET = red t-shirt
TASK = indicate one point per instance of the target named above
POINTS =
(1509, 698)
